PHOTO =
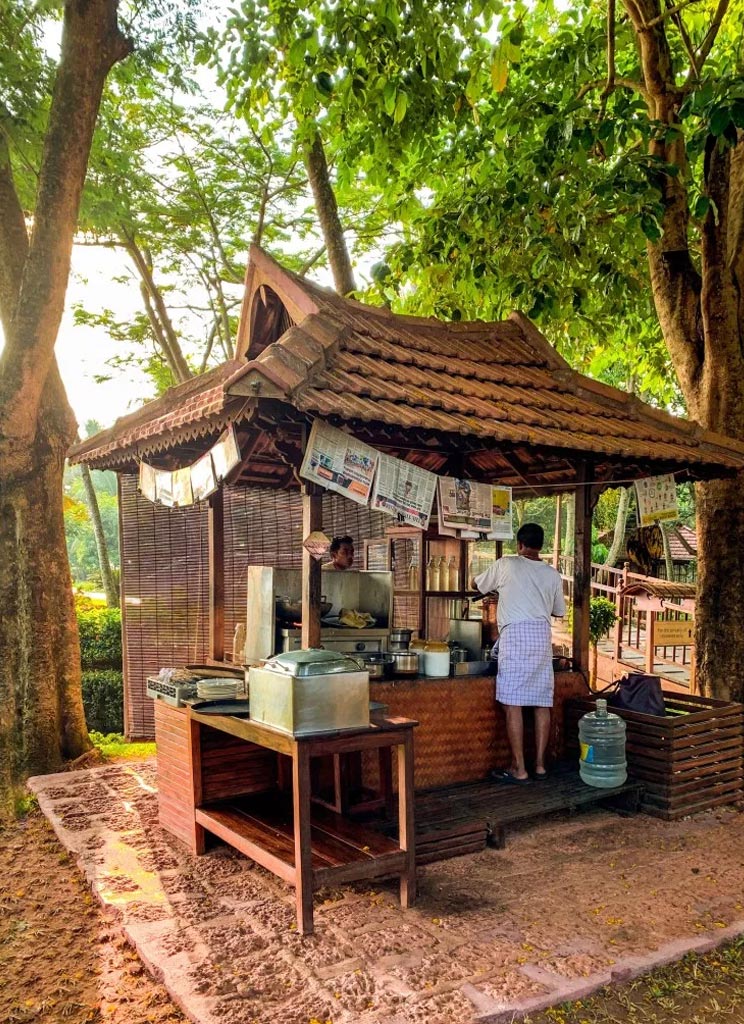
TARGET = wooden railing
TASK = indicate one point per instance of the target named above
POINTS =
(629, 638)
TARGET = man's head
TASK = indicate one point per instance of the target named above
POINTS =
(342, 552)
(530, 538)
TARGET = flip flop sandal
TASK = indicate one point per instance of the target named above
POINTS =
(507, 778)
(540, 776)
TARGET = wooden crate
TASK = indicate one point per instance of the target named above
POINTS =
(689, 760)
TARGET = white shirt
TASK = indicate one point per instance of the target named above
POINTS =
(527, 589)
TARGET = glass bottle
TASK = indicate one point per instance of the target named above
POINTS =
(443, 580)
(453, 574)
(413, 577)
(432, 574)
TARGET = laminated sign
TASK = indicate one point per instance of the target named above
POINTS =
(657, 499)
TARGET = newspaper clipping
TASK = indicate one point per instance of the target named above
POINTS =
(464, 505)
(404, 491)
(339, 463)
(502, 527)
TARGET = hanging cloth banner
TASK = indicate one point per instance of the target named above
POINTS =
(180, 487)
(657, 499)
(464, 505)
(502, 514)
(339, 462)
(404, 491)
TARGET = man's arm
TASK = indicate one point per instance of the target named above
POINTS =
(487, 581)
(559, 602)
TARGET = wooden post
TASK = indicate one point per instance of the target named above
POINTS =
(303, 853)
(582, 588)
(312, 519)
(557, 534)
(406, 819)
(617, 629)
(650, 649)
(216, 528)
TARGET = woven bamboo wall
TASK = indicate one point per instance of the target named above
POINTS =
(165, 573)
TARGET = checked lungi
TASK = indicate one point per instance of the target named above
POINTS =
(525, 674)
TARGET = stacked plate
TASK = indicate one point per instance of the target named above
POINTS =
(217, 689)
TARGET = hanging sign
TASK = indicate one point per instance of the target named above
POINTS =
(317, 543)
(464, 505)
(502, 514)
(148, 482)
(404, 490)
(184, 486)
(164, 487)
(182, 494)
(339, 462)
(657, 499)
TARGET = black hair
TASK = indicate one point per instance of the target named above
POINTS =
(338, 541)
(531, 535)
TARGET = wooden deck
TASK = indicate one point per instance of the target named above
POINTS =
(464, 819)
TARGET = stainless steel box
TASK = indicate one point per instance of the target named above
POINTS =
(300, 704)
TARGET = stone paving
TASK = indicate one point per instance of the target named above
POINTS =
(569, 905)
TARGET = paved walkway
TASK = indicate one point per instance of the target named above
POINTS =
(568, 906)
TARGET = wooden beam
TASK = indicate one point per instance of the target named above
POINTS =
(582, 587)
(557, 534)
(216, 525)
(312, 519)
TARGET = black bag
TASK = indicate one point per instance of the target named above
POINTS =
(638, 692)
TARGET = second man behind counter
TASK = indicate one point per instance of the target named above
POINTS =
(342, 554)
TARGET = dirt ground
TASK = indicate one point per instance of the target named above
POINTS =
(63, 960)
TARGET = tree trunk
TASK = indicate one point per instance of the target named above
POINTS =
(330, 223)
(668, 561)
(107, 575)
(568, 545)
(42, 722)
(41, 709)
(618, 537)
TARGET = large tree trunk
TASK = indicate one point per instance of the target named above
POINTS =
(107, 576)
(41, 712)
(700, 304)
(327, 210)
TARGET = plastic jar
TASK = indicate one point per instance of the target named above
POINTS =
(436, 660)
(602, 740)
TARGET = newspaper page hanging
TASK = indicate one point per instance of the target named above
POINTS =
(182, 494)
(502, 520)
(464, 505)
(339, 462)
(225, 453)
(657, 499)
(203, 480)
(404, 491)
(164, 487)
(148, 486)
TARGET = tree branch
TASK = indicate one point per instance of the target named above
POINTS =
(670, 12)
(91, 45)
(13, 240)
(618, 83)
(710, 37)
(330, 222)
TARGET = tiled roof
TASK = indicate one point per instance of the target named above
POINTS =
(500, 385)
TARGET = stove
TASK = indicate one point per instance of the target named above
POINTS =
(350, 641)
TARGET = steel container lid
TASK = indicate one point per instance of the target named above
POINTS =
(313, 662)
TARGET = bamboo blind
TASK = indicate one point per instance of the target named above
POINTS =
(165, 573)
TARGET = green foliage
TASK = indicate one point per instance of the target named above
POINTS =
(602, 617)
(114, 746)
(100, 637)
(103, 700)
(81, 541)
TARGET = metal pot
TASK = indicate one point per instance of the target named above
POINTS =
(400, 639)
(405, 663)
(291, 611)
(458, 654)
(376, 663)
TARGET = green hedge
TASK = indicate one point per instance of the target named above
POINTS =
(100, 637)
(103, 700)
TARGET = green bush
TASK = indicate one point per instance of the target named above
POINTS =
(103, 700)
(100, 637)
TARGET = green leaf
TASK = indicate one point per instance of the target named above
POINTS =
(720, 119)
(401, 105)
(702, 205)
(499, 68)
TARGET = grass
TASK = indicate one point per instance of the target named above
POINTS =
(114, 747)
(706, 989)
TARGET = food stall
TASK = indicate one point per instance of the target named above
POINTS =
(221, 474)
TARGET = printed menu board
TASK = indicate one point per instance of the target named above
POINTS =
(657, 499)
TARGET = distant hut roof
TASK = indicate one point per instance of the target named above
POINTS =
(483, 400)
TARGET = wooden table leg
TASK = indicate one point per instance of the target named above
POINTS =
(405, 819)
(199, 841)
(303, 853)
(385, 768)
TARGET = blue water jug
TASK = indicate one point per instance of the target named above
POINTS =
(602, 740)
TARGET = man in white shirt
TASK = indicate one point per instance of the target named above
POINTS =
(530, 591)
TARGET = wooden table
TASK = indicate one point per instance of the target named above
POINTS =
(219, 774)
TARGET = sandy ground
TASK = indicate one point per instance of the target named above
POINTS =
(566, 907)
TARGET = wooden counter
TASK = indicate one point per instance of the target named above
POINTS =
(461, 734)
